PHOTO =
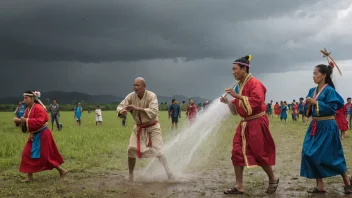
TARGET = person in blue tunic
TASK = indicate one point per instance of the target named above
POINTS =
(269, 110)
(284, 109)
(322, 152)
(78, 113)
(20, 110)
(301, 109)
(174, 112)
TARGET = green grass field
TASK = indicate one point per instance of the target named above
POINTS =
(97, 160)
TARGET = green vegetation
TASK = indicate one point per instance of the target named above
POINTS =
(97, 160)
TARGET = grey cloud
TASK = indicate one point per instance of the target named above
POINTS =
(104, 31)
(180, 47)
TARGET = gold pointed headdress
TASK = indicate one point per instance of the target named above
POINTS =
(327, 55)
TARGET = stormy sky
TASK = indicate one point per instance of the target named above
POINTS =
(179, 47)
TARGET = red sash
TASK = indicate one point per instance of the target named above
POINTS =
(139, 131)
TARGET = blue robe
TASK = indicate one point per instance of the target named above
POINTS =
(301, 109)
(283, 115)
(322, 154)
(20, 113)
(78, 112)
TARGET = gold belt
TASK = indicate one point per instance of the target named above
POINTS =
(254, 116)
(323, 118)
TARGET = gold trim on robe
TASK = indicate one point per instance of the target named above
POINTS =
(29, 112)
(244, 141)
(240, 88)
(317, 108)
(27, 124)
(247, 105)
(323, 118)
(241, 103)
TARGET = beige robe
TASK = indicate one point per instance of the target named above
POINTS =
(150, 104)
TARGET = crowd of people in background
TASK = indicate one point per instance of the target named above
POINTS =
(174, 113)
(279, 110)
(298, 111)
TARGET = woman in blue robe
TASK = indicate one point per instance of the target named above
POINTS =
(322, 152)
(284, 109)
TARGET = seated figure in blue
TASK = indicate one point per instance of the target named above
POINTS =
(322, 152)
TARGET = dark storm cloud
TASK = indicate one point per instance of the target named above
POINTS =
(180, 47)
(106, 30)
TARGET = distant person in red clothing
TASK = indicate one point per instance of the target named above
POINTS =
(40, 152)
(277, 109)
(191, 111)
(341, 121)
(348, 107)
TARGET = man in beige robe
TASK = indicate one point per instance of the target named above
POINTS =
(146, 140)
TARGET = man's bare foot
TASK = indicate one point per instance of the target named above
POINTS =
(130, 177)
(27, 180)
(63, 174)
(170, 176)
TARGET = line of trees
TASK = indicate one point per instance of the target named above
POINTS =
(164, 106)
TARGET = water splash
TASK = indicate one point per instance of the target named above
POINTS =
(180, 150)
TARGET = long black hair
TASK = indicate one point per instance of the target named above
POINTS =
(327, 70)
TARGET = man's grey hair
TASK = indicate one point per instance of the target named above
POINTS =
(140, 79)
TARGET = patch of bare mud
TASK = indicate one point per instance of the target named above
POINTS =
(207, 183)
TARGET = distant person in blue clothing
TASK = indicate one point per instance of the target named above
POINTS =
(301, 110)
(78, 114)
(20, 110)
(284, 110)
(174, 113)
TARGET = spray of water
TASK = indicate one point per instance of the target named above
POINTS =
(180, 150)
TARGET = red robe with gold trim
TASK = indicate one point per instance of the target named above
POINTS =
(253, 144)
(49, 155)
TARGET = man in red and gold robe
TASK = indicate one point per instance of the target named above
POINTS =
(253, 144)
